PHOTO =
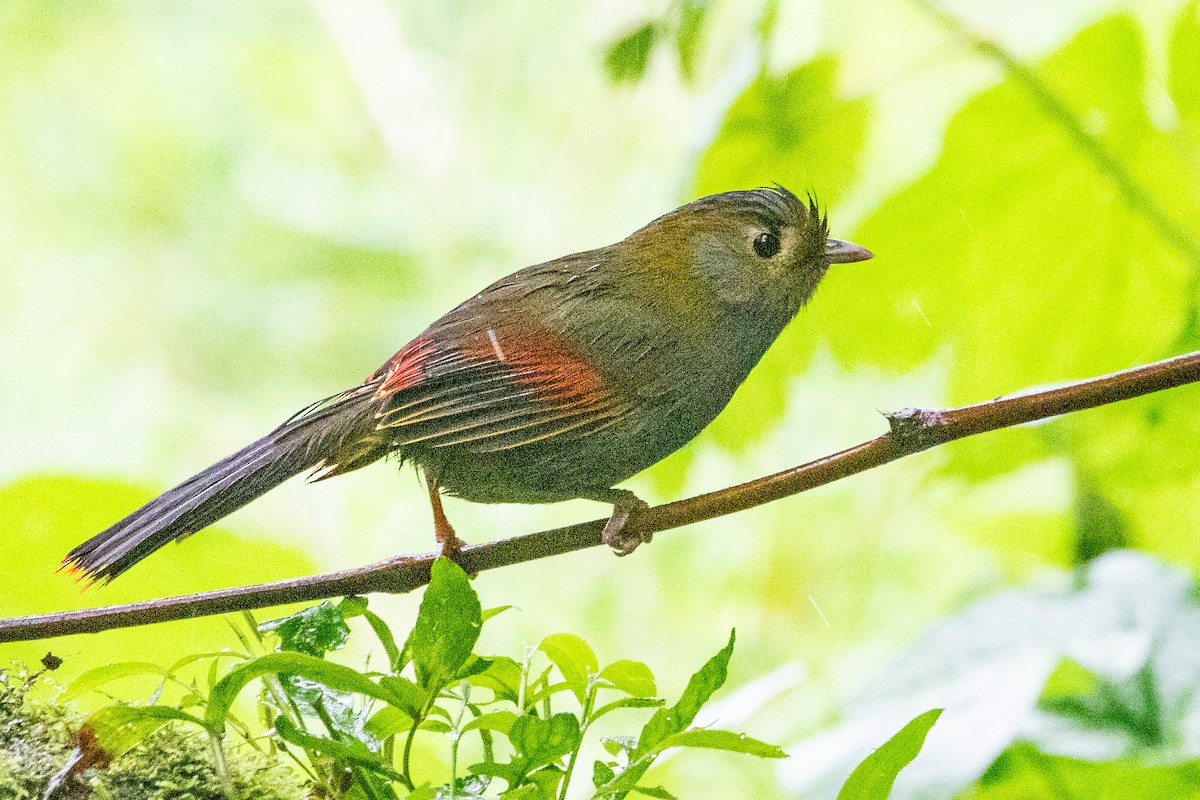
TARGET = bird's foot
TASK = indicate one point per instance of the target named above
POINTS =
(449, 545)
(617, 534)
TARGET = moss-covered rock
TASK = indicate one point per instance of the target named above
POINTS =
(174, 763)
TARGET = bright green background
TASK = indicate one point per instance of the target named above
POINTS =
(214, 213)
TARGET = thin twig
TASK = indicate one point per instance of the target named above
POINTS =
(912, 430)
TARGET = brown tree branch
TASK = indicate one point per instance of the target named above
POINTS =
(911, 431)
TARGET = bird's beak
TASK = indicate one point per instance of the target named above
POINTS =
(840, 252)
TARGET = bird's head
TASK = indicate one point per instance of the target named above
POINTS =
(763, 247)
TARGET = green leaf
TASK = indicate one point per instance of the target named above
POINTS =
(347, 750)
(190, 700)
(654, 791)
(574, 659)
(632, 677)
(509, 773)
(1131, 706)
(334, 676)
(541, 741)
(627, 58)
(501, 721)
(1137, 460)
(488, 613)
(625, 781)
(691, 22)
(384, 634)
(615, 745)
(1021, 774)
(214, 667)
(387, 721)
(700, 688)
(404, 694)
(532, 700)
(315, 630)
(194, 657)
(352, 606)
(98, 676)
(1184, 77)
(873, 778)
(792, 130)
(627, 702)
(601, 773)
(1070, 678)
(447, 626)
(538, 743)
(547, 781)
(668, 722)
(502, 677)
(1099, 525)
(721, 740)
(473, 666)
(116, 729)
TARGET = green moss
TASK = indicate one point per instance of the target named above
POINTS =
(172, 764)
(175, 763)
(34, 738)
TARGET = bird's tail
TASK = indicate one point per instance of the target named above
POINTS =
(314, 438)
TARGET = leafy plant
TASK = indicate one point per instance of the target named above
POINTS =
(356, 729)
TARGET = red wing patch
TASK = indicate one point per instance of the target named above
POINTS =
(404, 369)
(541, 363)
(499, 389)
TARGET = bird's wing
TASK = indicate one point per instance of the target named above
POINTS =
(493, 389)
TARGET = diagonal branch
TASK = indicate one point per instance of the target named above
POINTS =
(911, 431)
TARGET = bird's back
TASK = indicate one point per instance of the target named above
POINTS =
(563, 377)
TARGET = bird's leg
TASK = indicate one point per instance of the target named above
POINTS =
(626, 505)
(449, 544)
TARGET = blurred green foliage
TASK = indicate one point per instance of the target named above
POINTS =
(1088, 681)
(213, 213)
(1017, 213)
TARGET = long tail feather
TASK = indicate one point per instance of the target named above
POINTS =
(311, 439)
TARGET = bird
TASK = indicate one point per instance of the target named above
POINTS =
(557, 382)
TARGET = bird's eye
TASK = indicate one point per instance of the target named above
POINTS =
(766, 245)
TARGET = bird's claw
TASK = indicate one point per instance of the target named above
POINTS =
(617, 534)
(450, 546)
